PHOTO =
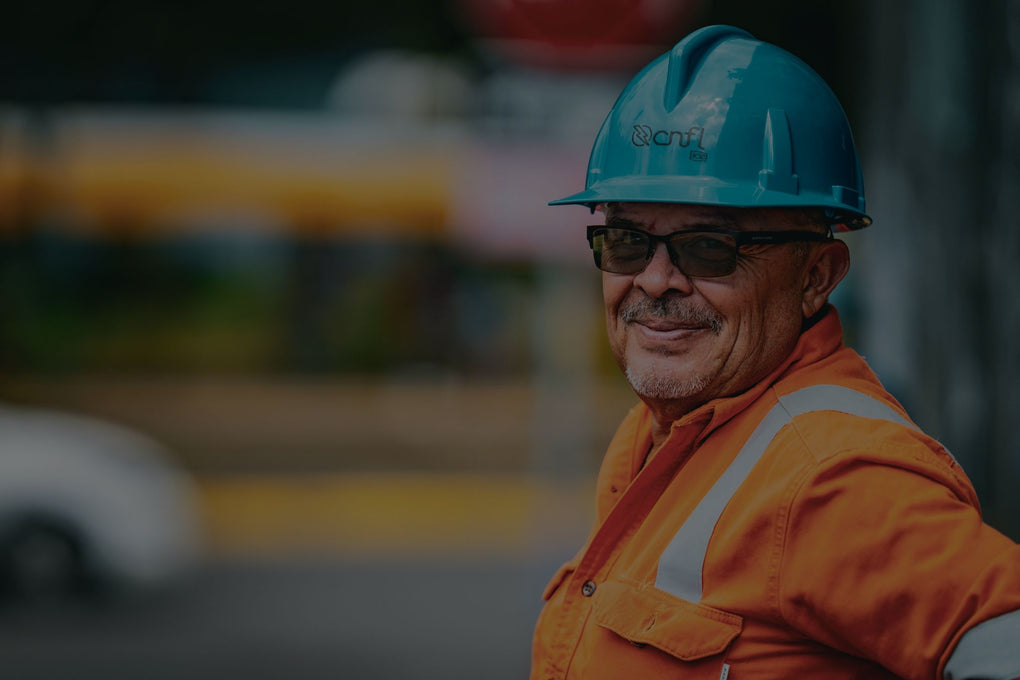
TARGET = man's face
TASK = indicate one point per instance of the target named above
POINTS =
(687, 340)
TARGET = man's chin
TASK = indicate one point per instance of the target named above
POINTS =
(650, 384)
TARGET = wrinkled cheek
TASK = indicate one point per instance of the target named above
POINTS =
(775, 333)
(739, 346)
(759, 334)
(724, 351)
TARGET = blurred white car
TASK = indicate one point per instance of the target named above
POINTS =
(85, 503)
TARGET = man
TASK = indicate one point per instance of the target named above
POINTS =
(768, 510)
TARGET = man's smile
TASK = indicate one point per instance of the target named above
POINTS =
(667, 330)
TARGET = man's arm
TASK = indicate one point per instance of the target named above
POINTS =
(893, 563)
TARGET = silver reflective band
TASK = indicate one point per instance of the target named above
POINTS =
(988, 651)
(844, 400)
(683, 559)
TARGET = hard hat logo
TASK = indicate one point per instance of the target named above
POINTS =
(645, 135)
(642, 135)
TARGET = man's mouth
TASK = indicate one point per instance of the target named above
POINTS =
(667, 330)
(669, 316)
(669, 325)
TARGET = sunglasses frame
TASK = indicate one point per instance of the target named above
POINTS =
(740, 238)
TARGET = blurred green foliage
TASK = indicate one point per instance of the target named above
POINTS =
(214, 304)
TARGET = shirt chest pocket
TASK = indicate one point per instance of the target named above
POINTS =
(643, 628)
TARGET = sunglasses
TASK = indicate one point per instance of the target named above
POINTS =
(704, 253)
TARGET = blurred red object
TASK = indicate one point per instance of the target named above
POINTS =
(579, 34)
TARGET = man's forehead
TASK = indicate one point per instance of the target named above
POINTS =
(689, 213)
(639, 212)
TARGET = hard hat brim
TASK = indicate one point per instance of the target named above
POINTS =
(709, 191)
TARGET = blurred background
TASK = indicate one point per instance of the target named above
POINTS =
(301, 378)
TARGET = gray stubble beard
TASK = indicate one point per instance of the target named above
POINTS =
(651, 385)
(655, 386)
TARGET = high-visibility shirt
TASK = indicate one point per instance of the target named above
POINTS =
(803, 529)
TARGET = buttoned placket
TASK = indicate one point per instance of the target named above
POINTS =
(623, 520)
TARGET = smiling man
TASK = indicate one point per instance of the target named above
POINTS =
(767, 510)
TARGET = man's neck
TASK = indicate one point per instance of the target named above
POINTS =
(665, 412)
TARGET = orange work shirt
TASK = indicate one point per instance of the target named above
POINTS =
(803, 529)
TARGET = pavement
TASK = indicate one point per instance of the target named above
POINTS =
(296, 620)
(392, 515)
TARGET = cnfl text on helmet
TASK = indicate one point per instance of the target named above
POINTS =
(645, 135)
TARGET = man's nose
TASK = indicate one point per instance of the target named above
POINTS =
(660, 275)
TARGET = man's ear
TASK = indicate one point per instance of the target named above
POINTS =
(826, 266)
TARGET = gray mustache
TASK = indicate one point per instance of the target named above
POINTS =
(671, 308)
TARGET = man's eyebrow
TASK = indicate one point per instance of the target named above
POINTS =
(616, 221)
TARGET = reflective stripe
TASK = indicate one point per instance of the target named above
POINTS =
(845, 400)
(842, 399)
(988, 651)
(681, 564)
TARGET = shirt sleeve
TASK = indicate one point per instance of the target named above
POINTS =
(884, 557)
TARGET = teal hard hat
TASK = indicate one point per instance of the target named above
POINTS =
(725, 119)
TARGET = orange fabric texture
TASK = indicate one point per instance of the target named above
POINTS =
(853, 549)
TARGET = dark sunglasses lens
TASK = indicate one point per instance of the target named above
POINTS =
(619, 251)
(705, 255)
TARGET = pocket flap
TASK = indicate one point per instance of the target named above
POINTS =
(644, 615)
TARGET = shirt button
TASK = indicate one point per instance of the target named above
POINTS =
(588, 589)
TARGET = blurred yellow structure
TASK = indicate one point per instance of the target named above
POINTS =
(147, 174)
(368, 515)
